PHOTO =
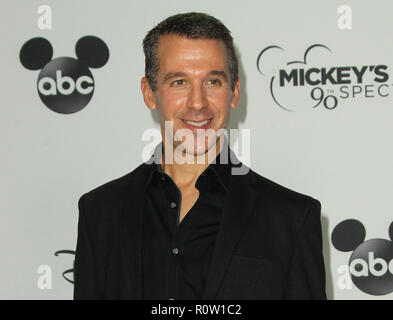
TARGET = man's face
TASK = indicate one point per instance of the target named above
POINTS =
(193, 89)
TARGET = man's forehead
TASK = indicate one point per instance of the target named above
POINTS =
(172, 47)
(174, 41)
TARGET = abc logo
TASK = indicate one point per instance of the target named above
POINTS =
(65, 85)
(371, 262)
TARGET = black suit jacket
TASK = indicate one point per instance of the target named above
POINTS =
(269, 245)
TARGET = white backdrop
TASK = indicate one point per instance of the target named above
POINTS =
(342, 156)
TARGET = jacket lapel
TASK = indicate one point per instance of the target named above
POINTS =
(131, 234)
(239, 205)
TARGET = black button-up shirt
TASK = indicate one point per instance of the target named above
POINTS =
(177, 255)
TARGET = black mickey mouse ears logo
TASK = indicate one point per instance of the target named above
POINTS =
(90, 50)
(371, 261)
(36, 53)
(348, 235)
(65, 84)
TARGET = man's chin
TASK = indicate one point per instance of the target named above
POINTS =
(197, 152)
(202, 152)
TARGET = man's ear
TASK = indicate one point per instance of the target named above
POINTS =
(148, 94)
(235, 95)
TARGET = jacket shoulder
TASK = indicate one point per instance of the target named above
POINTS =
(267, 185)
(282, 199)
(283, 210)
(117, 187)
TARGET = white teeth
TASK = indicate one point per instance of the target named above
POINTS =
(198, 124)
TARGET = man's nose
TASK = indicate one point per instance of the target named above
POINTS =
(197, 99)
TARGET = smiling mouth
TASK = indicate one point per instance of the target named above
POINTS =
(198, 124)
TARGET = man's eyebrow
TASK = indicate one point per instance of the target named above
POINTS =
(222, 74)
(172, 75)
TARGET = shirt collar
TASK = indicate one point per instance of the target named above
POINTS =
(220, 166)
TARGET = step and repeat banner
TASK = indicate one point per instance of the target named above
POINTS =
(316, 99)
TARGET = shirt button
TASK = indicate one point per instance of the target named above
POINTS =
(175, 251)
(172, 205)
(162, 178)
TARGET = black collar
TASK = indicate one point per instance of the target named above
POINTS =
(221, 166)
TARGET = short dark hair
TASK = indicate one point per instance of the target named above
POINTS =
(192, 25)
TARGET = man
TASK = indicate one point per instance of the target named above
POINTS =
(184, 226)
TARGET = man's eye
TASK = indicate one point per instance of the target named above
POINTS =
(180, 82)
(214, 82)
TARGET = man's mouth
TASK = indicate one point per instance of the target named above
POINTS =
(204, 124)
(197, 123)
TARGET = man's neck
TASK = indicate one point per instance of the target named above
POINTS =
(185, 174)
